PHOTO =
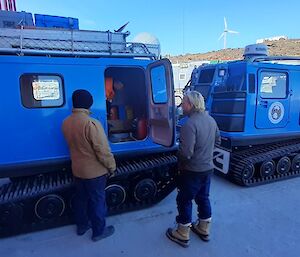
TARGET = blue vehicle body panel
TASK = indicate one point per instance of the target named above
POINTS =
(34, 134)
(246, 105)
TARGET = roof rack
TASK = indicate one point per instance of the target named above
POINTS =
(291, 60)
(61, 42)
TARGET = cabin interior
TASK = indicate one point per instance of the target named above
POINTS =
(126, 104)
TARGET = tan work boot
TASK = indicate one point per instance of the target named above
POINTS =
(180, 234)
(202, 228)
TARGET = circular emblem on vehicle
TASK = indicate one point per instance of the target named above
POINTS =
(276, 112)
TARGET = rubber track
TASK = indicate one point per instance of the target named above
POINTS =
(256, 156)
(127, 168)
(27, 190)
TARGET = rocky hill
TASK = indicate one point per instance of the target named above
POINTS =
(280, 47)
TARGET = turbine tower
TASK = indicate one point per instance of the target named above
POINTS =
(226, 30)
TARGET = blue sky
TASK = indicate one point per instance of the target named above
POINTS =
(191, 26)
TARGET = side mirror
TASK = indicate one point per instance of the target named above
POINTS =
(178, 100)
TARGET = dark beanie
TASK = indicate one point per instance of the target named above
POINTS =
(82, 99)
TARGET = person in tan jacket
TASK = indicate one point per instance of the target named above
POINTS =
(92, 163)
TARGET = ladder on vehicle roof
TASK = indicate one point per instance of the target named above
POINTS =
(61, 42)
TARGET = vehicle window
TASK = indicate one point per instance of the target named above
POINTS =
(273, 85)
(206, 76)
(159, 86)
(235, 83)
(39, 91)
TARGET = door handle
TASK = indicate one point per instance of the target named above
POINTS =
(264, 104)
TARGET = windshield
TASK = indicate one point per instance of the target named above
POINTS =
(206, 76)
(205, 81)
(235, 83)
(204, 90)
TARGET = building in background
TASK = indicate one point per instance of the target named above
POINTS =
(261, 40)
(8, 5)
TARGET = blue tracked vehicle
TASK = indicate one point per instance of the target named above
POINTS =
(40, 69)
(255, 102)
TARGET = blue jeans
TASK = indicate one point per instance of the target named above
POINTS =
(193, 186)
(90, 204)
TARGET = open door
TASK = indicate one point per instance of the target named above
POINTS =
(159, 78)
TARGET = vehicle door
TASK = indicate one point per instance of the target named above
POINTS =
(159, 78)
(273, 99)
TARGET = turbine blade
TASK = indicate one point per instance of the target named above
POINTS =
(225, 23)
(222, 35)
(232, 31)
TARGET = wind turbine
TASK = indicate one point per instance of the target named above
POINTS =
(226, 30)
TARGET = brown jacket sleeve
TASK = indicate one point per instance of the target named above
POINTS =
(99, 142)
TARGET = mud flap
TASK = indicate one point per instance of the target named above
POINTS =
(221, 160)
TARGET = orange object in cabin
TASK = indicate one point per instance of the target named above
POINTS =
(109, 89)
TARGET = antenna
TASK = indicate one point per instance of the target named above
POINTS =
(226, 30)
(122, 27)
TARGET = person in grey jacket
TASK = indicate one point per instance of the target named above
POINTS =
(198, 137)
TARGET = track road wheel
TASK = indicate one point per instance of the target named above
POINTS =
(49, 207)
(296, 163)
(115, 195)
(283, 165)
(145, 190)
(267, 168)
(248, 171)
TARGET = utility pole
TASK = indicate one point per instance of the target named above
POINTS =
(183, 32)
